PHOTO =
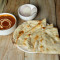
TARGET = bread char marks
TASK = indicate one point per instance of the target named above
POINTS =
(36, 26)
(20, 33)
(36, 37)
(41, 48)
(29, 34)
(24, 41)
(57, 36)
(44, 27)
(47, 49)
(41, 40)
(28, 26)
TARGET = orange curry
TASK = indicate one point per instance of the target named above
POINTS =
(6, 21)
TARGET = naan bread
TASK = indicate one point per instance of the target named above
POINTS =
(28, 26)
(38, 36)
(53, 33)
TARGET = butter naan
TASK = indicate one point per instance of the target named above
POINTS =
(28, 26)
(38, 36)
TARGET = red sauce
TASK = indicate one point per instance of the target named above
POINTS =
(6, 22)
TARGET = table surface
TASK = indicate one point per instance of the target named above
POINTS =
(49, 9)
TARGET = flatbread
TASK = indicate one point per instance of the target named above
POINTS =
(28, 26)
(38, 36)
(53, 32)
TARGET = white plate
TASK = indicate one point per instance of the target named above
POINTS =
(23, 48)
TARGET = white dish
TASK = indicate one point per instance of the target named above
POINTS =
(10, 30)
(33, 12)
(23, 48)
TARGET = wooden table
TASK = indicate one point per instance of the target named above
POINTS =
(49, 9)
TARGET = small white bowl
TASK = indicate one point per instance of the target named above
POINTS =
(10, 30)
(33, 12)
